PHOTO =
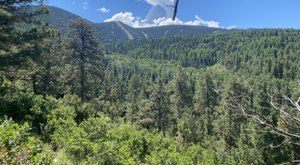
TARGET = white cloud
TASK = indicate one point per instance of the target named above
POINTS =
(199, 21)
(85, 5)
(232, 27)
(160, 15)
(129, 19)
(160, 8)
(104, 10)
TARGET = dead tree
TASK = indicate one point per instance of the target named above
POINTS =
(289, 116)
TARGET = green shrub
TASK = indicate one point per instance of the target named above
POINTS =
(18, 147)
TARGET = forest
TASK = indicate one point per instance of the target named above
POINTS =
(228, 97)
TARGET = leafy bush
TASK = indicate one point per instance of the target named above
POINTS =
(18, 147)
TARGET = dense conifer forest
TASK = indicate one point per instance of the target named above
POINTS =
(227, 97)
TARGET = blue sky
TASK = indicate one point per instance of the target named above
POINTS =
(212, 13)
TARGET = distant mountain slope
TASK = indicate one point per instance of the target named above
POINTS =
(116, 31)
(60, 18)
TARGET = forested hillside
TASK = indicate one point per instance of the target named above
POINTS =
(272, 52)
(229, 97)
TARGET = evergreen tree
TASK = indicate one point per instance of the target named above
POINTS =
(205, 100)
(183, 93)
(230, 117)
(50, 64)
(86, 59)
(156, 112)
(16, 39)
(133, 97)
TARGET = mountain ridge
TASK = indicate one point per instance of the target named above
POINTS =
(118, 31)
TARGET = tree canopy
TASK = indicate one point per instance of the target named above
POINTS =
(229, 97)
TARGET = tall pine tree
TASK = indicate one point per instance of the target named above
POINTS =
(86, 58)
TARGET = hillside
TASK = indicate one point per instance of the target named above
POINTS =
(227, 98)
(261, 51)
(117, 31)
(59, 18)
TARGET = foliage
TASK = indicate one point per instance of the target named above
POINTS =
(174, 100)
(85, 58)
(18, 146)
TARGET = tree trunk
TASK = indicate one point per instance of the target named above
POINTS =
(82, 70)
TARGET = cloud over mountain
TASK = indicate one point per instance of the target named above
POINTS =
(160, 14)
(129, 19)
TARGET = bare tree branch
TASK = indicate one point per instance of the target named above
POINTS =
(296, 104)
(283, 109)
(269, 124)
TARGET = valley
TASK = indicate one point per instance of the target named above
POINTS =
(77, 92)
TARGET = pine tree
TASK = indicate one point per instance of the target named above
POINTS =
(230, 117)
(183, 93)
(21, 41)
(205, 101)
(134, 90)
(16, 40)
(51, 63)
(86, 58)
(156, 112)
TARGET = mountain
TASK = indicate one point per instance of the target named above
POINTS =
(59, 18)
(117, 31)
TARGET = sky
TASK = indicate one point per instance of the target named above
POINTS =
(212, 13)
